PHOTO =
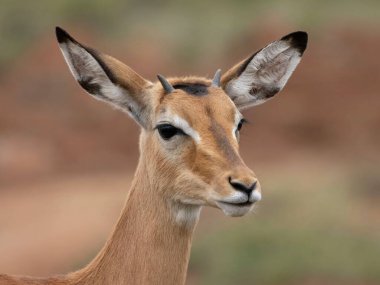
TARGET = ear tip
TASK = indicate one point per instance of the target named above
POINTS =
(62, 35)
(298, 40)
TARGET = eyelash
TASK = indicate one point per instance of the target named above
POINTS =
(168, 131)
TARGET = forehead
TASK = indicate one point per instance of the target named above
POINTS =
(195, 101)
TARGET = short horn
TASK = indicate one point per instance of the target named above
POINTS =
(167, 86)
(216, 79)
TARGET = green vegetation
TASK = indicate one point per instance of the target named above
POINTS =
(295, 236)
(262, 254)
(187, 24)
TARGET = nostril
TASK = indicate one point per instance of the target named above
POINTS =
(242, 187)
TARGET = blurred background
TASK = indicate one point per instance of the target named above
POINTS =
(66, 160)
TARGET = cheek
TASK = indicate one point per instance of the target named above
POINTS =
(176, 153)
(188, 155)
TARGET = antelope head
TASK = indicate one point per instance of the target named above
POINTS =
(190, 126)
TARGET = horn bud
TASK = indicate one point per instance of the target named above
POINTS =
(216, 79)
(165, 84)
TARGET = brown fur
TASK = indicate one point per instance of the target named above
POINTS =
(148, 246)
(174, 178)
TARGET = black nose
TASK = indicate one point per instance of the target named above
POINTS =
(242, 187)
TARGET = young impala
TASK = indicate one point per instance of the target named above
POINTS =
(188, 156)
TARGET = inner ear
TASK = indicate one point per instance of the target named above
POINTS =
(88, 71)
(106, 78)
(258, 78)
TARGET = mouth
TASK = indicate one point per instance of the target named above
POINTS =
(235, 209)
(244, 204)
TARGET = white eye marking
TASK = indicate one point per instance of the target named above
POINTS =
(185, 127)
(238, 118)
(182, 124)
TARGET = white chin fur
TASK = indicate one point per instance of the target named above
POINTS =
(234, 211)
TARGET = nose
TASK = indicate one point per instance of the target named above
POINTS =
(243, 187)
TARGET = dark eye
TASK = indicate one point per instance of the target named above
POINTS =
(167, 131)
(238, 128)
(242, 121)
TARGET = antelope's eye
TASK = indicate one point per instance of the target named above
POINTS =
(242, 121)
(238, 128)
(168, 131)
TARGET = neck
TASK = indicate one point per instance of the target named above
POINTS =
(151, 242)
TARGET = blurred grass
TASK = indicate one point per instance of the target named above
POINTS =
(300, 232)
(188, 25)
(264, 254)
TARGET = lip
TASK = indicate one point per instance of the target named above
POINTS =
(235, 209)
(244, 204)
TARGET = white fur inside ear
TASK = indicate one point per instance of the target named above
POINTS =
(92, 77)
(81, 63)
(265, 75)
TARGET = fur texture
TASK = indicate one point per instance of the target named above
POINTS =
(175, 176)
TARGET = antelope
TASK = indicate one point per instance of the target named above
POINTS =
(189, 156)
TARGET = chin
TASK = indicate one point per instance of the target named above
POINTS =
(234, 210)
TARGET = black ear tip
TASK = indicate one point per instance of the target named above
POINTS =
(298, 40)
(62, 35)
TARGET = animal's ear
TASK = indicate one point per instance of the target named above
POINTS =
(262, 75)
(106, 78)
